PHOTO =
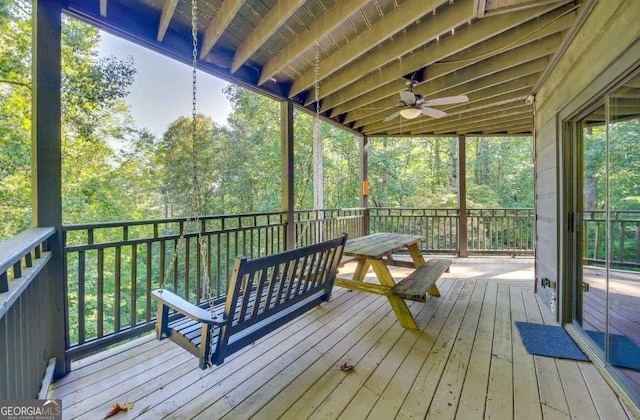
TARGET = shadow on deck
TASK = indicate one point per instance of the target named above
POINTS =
(467, 361)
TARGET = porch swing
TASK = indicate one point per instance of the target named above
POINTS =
(263, 293)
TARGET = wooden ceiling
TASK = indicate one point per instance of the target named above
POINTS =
(359, 54)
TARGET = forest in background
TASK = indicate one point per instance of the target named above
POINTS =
(113, 170)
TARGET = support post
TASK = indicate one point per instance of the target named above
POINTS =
(286, 156)
(364, 182)
(46, 163)
(462, 197)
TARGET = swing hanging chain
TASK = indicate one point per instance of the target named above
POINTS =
(202, 243)
(192, 200)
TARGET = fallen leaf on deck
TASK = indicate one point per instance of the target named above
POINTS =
(118, 408)
(345, 367)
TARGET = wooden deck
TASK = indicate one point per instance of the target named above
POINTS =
(466, 362)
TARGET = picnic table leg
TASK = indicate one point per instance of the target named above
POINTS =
(398, 304)
(418, 261)
(361, 269)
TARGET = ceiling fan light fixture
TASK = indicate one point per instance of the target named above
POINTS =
(411, 113)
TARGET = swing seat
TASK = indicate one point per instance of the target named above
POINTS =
(264, 294)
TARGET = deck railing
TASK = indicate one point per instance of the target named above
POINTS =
(111, 268)
(500, 231)
(313, 226)
(25, 348)
(489, 231)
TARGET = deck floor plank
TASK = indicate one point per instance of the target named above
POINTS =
(324, 355)
(447, 396)
(346, 395)
(552, 396)
(466, 362)
(388, 404)
(474, 391)
(227, 377)
(334, 384)
(424, 387)
(526, 398)
(500, 390)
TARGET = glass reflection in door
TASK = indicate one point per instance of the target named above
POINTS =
(623, 314)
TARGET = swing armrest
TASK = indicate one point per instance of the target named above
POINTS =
(187, 309)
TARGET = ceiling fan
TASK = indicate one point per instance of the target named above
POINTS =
(413, 105)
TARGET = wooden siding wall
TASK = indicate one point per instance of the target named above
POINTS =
(603, 48)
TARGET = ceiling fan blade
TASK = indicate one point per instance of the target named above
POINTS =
(407, 97)
(434, 113)
(392, 116)
(447, 100)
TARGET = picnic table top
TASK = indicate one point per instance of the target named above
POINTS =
(377, 245)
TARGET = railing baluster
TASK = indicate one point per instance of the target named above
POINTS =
(134, 285)
(117, 280)
(148, 276)
(81, 297)
(100, 292)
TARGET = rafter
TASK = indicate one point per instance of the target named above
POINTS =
(503, 76)
(485, 114)
(497, 125)
(489, 66)
(403, 43)
(321, 27)
(489, 118)
(386, 81)
(276, 17)
(393, 22)
(219, 24)
(547, 25)
(521, 74)
(168, 9)
(463, 39)
(480, 102)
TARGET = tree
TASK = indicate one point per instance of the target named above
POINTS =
(93, 115)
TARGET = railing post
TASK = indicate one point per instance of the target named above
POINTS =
(462, 197)
(47, 163)
(364, 181)
(286, 156)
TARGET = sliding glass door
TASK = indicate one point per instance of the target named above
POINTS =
(606, 287)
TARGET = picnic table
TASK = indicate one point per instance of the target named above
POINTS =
(376, 251)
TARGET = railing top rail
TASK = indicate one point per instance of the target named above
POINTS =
(13, 249)
(331, 209)
(100, 225)
(450, 208)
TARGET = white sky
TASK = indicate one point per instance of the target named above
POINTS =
(161, 91)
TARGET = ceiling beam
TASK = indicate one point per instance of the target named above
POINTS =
(321, 27)
(219, 24)
(492, 119)
(470, 109)
(548, 24)
(464, 120)
(395, 21)
(499, 119)
(402, 44)
(478, 100)
(517, 125)
(168, 9)
(532, 69)
(506, 60)
(268, 25)
(498, 63)
(483, 30)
